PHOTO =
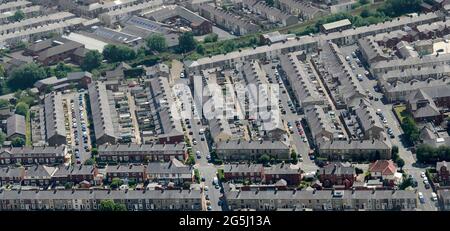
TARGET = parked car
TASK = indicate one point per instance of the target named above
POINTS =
(422, 174)
(434, 196)
(421, 198)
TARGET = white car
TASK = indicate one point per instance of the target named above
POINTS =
(425, 178)
(421, 198)
(422, 174)
(434, 196)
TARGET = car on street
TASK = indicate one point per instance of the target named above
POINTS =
(203, 179)
(198, 154)
(209, 208)
(194, 142)
(359, 77)
(206, 188)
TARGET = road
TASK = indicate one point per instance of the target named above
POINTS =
(80, 118)
(386, 108)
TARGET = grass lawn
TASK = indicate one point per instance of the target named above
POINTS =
(400, 111)
(28, 130)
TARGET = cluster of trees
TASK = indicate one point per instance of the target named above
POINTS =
(391, 8)
(410, 129)
(116, 183)
(25, 76)
(213, 37)
(186, 42)
(92, 60)
(395, 8)
(118, 53)
(429, 154)
(110, 205)
(156, 43)
(17, 16)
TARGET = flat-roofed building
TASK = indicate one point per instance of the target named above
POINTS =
(336, 26)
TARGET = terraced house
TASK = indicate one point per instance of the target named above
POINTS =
(89, 200)
(325, 200)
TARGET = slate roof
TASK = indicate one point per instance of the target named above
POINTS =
(337, 169)
(243, 168)
(54, 115)
(15, 124)
(99, 194)
(173, 167)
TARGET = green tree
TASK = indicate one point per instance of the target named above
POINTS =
(400, 163)
(18, 15)
(68, 185)
(394, 152)
(394, 8)
(270, 2)
(89, 161)
(116, 182)
(197, 175)
(25, 76)
(210, 38)
(200, 49)
(363, 2)
(110, 205)
(2, 71)
(410, 129)
(228, 46)
(18, 142)
(118, 53)
(186, 42)
(2, 137)
(294, 158)
(156, 42)
(22, 108)
(4, 103)
(365, 13)
(61, 70)
(92, 60)
(264, 159)
(94, 151)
